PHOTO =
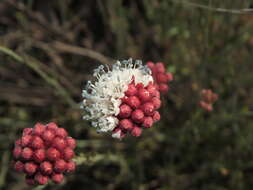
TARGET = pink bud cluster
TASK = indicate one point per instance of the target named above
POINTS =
(208, 98)
(44, 152)
(161, 78)
(138, 109)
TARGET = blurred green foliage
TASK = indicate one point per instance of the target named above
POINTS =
(58, 43)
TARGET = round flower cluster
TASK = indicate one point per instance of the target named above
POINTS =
(44, 152)
(123, 99)
(208, 98)
(161, 78)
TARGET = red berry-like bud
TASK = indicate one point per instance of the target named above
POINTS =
(30, 168)
(41, 179)
(157, 94)
(156, 102)
(136, 132)
(27, 153)
(27, 131)
(68, 154)
(147, 122)
(59, 143)
(48, 135)
(118, 133)
(52, 126)
(57, 178)
(152, 89)
(18, 142)
(125, 111)
(137, 116)
(17, 152)
(61, 132)
(19, 166)
(39, 129)
(169, 76)
(53, 154)
(25, 140)
(150, 64)
(37, 142)
(30, 180)
(160, 67)
(60, 166)
(134, 102)
(70, 166)
(156, 116)
(161, 78)
(46, 168)
(148, 108)
(131, 91)
(39, 155)
(163, 88)
(126, 124)
(71, 142)
(144, 95)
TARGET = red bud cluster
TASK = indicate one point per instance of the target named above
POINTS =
(138, 109)
(161, 78)
(208, 98)
(44, 152)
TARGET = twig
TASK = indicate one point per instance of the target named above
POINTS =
(82, 51)
(209, 8)
(4, 167)
(33, 64)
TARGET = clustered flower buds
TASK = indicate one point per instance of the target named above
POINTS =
(122, 100)
(161, 78)
(44, 152)
(208, 98)
(138, 109)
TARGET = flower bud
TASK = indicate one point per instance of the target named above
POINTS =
(70, 166)
(136, 132)
(39, 155)
(46, 168)
(133, 101)
(126, 124)
(53, 154)
(131, 91)
(137, 116)
(156, 117)
(41, 179)
(19, 166)
(60, 166)
(30, 168)
(59, 143)
(27, 153)
(71, 142)
(39, 129)
(125, 111)
(147, 122)
(148, 108)
(61, 132)
(68, 154)
(144, 95)
(57, 178)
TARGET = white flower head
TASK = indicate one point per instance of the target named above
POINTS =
(102, 98)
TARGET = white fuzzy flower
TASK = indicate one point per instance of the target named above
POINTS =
(102, 98)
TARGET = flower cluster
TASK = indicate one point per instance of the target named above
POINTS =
(161, 78)
(122, 99)
(208, 98)
(44, 152)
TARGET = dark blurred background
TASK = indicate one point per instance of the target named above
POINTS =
(49, 48)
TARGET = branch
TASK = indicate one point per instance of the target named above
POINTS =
(222, 10)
